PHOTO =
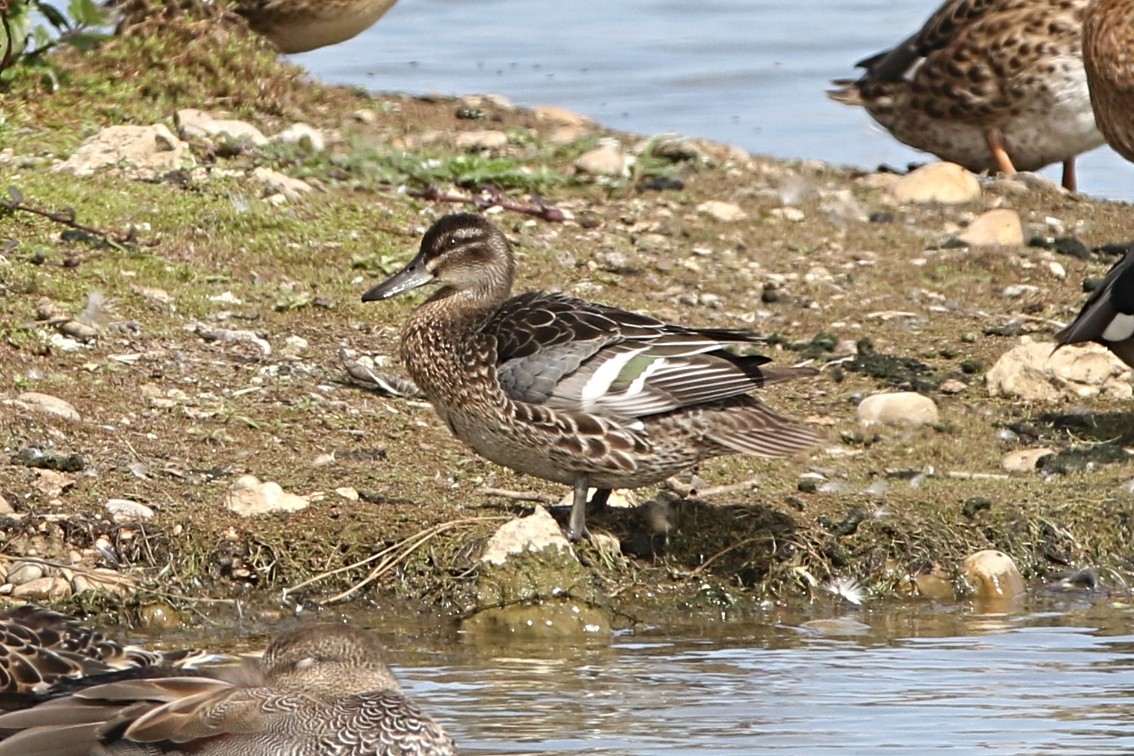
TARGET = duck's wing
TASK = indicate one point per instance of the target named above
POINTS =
(940, 31)
(44, 653)
(1107, 317)
(75, 725)
(570, 354)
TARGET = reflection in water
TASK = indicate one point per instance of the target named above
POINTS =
(919, 680)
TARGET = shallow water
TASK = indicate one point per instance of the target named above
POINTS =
(748, 72)
(896, 680)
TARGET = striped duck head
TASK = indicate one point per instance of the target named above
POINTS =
(464, 253)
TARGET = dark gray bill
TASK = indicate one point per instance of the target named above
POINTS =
(409, 277)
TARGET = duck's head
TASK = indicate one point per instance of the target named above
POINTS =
(462, 252)
(328, 659)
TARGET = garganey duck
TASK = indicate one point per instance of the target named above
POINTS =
(1108, 316)
(1108, 55)
(989, 84)
(572, 391)
(296, 26)
(320, 688)
(42, 650)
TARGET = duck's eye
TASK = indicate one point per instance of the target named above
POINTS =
(452, 241)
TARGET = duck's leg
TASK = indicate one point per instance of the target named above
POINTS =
(598, 501)
(1069, 178)
(577, 525)
(999, 152)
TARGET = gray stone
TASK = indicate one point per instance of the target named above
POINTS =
(24, 572)
(125, 510)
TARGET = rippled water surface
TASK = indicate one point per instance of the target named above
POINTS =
(898, 680)
(749, 72)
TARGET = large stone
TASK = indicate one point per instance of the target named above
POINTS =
(530, 583)
(280, 183)
(1034, 372)
(1001, 227)
(942, 183)
(899, 408)
(194, 123)
(487, 139)
(249, 497)
(1024, 460)
(535, 534)
(722, 211)
(993, 575)
(607, 160)
(46, 403)
(148, 150)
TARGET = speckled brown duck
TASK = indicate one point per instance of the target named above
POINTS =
(320, 689)
(1107, 318)
(572, 391)
(994, 85)
(41, 650)
(1108, 55)
(300, 25)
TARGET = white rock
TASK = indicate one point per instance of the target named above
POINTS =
(1024, 460)
(899, 408)
(52, 405)
(944, 183)
(559, 115)
(197, 123)
(530, 534)
(303, 134)
(993, 575)
(1001, 227)
(487, 139)
(248, 497)
(43, 589)
(276, 182)
(722, 211)
(1033, 372)
(606, 160)
(793, 214)
(24, 572)
(149, 150)
(125, 510)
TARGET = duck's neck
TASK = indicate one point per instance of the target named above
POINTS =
(441, 336)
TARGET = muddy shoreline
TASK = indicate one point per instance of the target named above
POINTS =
(173, 409)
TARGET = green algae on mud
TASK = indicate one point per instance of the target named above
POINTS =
(171, 419)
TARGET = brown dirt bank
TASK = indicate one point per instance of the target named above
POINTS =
(171, 418)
